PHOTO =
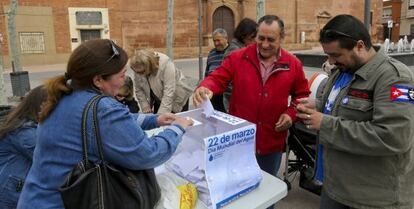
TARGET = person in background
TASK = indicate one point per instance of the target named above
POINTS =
(4, 111)
(214, 59)
(17, 142)
(96, 67)
(244, 34)
(364, 121)
(126, 95)
(160, 86)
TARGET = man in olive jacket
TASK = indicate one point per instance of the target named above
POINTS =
(365, 122)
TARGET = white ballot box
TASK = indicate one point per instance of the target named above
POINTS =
(217, 154)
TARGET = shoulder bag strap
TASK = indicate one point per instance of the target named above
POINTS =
(83, 129)
(97, 129)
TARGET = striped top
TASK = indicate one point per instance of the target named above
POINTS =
(213, 60)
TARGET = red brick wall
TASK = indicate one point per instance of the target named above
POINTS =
(61, 25)
(143, 23)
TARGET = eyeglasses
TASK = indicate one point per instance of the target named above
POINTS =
(114, 51)
(331, 34)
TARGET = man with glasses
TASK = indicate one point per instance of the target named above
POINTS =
(263, 76)
(365, 122)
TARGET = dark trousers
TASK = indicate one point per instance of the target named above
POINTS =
(329, 203)
(217, 102)
(271, 164)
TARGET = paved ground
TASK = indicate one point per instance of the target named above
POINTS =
(297, 198)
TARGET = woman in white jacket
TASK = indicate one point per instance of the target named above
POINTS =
(160, 87)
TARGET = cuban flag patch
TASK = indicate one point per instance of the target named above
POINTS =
(400, 93)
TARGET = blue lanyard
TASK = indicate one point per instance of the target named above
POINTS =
(341, 81)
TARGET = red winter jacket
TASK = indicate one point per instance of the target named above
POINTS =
(256, 102)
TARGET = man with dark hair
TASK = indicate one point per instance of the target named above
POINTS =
(365, 121)
(263, 76)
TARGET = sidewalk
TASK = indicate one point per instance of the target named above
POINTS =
(40, 68)
(62, 66)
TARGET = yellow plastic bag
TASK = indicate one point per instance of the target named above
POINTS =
(189, 196)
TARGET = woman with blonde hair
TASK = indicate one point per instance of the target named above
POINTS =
(160, 86)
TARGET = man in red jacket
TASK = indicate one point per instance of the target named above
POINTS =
(264, 76)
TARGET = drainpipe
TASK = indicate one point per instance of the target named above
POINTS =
(367, 14)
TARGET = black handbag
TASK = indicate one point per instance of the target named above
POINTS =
(100, 185)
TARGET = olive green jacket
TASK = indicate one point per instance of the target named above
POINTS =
(369, 139)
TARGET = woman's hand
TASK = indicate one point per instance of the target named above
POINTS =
(147, 110)
(166, 119)
(183, 122)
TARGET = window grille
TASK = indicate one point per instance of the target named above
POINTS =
(32, 42)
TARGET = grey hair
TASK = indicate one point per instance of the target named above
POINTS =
(220, 31)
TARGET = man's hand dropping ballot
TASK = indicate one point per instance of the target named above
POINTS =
(200, 95)
(208, 109)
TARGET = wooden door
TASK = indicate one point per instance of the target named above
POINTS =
(223, 17)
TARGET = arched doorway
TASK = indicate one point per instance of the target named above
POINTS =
(223, 17)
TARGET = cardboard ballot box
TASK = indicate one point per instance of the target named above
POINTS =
(217, 154)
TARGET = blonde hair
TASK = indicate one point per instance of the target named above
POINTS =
(148, 59)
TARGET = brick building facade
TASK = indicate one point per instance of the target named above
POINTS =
(407, 19)
(392, 12)
(49, 30)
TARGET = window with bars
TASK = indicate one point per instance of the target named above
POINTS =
(87, 35)
(32, 42)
